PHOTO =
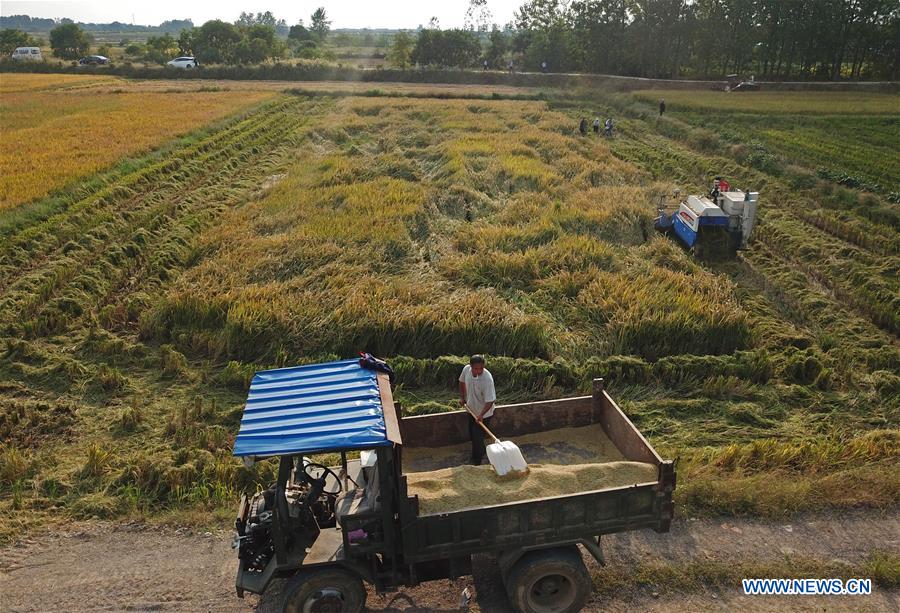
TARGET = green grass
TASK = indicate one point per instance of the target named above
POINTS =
(777, 102)
(845, 137)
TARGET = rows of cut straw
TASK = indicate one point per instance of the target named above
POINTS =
(67, 283)
(50, 138)
(492, 235)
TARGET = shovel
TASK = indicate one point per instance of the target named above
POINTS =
(504, 456)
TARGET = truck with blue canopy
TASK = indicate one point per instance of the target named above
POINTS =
(343, 511)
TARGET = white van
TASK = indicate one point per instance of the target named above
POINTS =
(32, 54)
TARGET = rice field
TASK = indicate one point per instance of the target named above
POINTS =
(24, 82)
(52, 134)
(136, 303)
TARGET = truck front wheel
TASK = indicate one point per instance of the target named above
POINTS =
(329, 590)
(549, 581)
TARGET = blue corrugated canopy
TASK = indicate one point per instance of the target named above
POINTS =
(314, 408)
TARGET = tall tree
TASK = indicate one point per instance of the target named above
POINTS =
(498, 45)
(447, 48)
(214, 42)
(400, 53)
(478, 16)
(69, 41)
(299, 32)
(822, 39)
(257, 44)
(160, 49)
(186, 41)
(10, 38)
(319, 23)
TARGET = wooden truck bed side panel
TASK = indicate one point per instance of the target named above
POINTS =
(511, 420)
(514, 420)
(619, 428)
(529, 523)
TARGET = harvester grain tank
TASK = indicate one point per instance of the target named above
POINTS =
(717, 225)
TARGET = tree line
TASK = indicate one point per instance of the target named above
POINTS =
(251, 39)
(43, 24)
(777, 39)
(773, 39)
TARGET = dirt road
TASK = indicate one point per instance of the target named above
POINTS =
(113, 567)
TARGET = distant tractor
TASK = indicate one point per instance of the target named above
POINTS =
(714, 226)
(733, 83)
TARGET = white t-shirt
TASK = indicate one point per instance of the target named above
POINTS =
(479, 390)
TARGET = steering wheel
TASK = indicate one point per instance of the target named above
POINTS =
(326, 471)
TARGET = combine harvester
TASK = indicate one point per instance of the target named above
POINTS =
(714, 226)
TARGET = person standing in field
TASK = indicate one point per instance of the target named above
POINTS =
(476, 391)
(511, 67)
(544, 66)
(485, 65)
(582, 126)
(608, 127)
(597, 126)
(662, 106)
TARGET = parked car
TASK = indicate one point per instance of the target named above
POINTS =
(94, 60)
(186, 61)
(28, 54)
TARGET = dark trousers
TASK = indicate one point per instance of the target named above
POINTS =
(477, 434)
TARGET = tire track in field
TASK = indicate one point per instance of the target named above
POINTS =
(819, 306)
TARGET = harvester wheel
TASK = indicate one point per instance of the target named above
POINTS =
(329, 590)
(549, 581)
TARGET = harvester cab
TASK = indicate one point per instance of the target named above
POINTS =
(714, 226)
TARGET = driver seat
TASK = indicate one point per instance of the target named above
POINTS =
(359, 499)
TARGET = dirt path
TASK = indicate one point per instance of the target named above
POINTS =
(114, 567)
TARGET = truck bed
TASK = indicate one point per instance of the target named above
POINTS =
(561, 462)
(567, 446)
(582, 514)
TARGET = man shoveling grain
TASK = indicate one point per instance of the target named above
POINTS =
(476, 390)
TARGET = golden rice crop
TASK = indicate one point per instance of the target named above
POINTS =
(12, 82)
(426, 228)
(49, 138)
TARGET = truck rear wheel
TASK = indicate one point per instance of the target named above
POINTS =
(330, 590)
(549, 581)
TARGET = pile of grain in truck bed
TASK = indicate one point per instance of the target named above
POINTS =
(563, 461)
(461, 487)
(582, 445)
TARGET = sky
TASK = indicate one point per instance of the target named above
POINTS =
(343, 13)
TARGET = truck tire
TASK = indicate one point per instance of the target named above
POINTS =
(330, 590)
(549, 581)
